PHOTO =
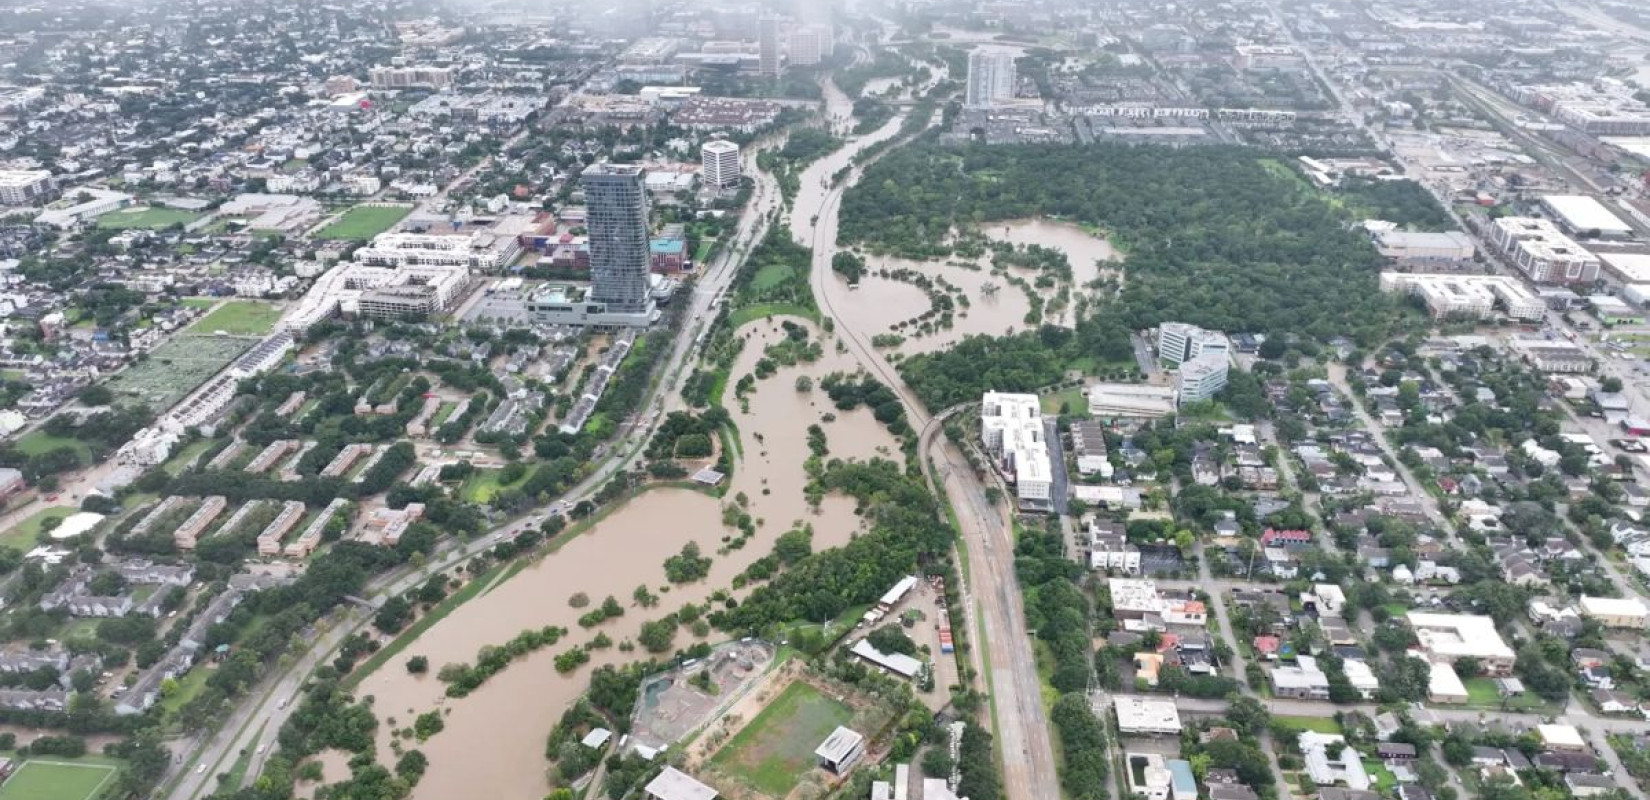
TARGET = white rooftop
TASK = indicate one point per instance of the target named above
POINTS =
(1443, 682)
(1452, 636)
(1583, 213)
(1561, 736)
(899, 591)
(1134, 594)
(673, 784)
(76, 524)
(1138, 714)
(1612, 607)
(1634, 267)
(839, 744)
(893, 662)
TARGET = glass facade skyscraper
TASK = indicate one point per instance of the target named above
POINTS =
(616, 200)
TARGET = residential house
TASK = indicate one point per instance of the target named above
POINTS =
(1303, 681)
(1610, 701)
(1395, 751)
(1582, 784)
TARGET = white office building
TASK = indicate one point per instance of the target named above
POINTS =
(1178, 342)
(1012, 427)
(990, 78)
(20, 187)
(1201, 378)
(719, 164)
(1140, 715)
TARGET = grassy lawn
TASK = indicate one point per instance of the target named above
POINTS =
(1396, 609)
(1482, 694)
(145, 217)
(189, 686)
(483, 486)
(364, 222)
(237, 772)
(39, 441)
(187, 456)
(758, 311)
(79, 629)
(442, 414)
(54, 778)
(239, 318)
(1319, 724)
(1481, 691)
(777, 747)
(700, 254)
(23, 537)
(770, 276)
(1072, 398)
(1378, 773)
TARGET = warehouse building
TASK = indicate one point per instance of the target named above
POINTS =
(1424, 246)
(1584, 216)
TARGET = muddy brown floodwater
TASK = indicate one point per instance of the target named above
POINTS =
(493, 744)
(880, 303)
(1083, 249)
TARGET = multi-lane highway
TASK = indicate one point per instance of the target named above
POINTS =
(994, 604)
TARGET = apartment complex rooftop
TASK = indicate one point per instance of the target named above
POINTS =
(1454, 636)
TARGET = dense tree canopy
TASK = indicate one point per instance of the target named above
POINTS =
(1213, 237)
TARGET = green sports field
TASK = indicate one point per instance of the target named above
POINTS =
(51, 779)
(239, 318)
(776, 749)
(364, 222)
(146, 217)
(23, 536)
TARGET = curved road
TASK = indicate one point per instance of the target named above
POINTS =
(994, 604)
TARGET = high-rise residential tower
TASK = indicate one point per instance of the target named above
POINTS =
(767, 44)
(990, 78)
(615, 197)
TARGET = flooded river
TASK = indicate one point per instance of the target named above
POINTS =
(1084, 250)
(880, 304)
(493, 745)
(995, 307)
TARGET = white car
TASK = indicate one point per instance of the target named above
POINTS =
(200, 770)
